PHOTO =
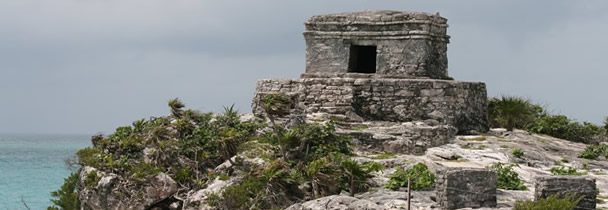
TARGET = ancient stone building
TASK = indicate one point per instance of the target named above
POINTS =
(380, 66)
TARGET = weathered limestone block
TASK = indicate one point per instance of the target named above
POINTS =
(546, 186)
(466, 188)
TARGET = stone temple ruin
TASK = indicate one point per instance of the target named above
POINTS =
(382, 76)
(382, 72)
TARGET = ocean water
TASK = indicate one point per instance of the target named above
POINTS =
(31, 166)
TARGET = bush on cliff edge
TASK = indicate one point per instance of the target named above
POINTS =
(66, 198)
(515, 112)
(188, 146)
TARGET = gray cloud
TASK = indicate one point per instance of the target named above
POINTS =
(71, 66)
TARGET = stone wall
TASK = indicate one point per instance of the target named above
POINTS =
(466, 188)
(460, 104)
(546, 186)
(410, 58)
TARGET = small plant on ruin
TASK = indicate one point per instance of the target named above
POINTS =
(517, 152)
(594, 151)
(507, 178)
(420, 175)
(512, 112)
(565, 171)
(276, 104)
(554, 202)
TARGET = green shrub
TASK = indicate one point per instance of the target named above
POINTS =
(307, 142)
(517, 152)
(420, 175)
(554, 202)
(338, 173)
(270, 187)
(90, 157)
(512, 112)
(183, 175)
(594, 151)
(66, 198)
(142, 171)
(561, 127)
(187, 145)
(507, 178)
(565, 171)
(91, 179)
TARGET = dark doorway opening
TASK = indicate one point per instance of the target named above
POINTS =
(362, 59)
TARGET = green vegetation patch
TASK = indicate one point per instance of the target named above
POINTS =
(517, 152)
(554, 202)
(594, 151)
(420, 175)
(565, 171)
(507, 178)
(276, 104)
(562, 127)
(512, 112)
(67, 196)
(515, 112)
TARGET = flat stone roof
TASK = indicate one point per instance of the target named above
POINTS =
(380, 16)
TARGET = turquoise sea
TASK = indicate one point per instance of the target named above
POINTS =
(31, 166)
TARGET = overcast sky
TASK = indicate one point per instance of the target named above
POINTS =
(87, 66)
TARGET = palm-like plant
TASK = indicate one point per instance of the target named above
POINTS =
(323, 177)
(355, 175)
(512, 112)
(176, 106)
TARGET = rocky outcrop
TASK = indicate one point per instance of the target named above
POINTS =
(105, 191)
